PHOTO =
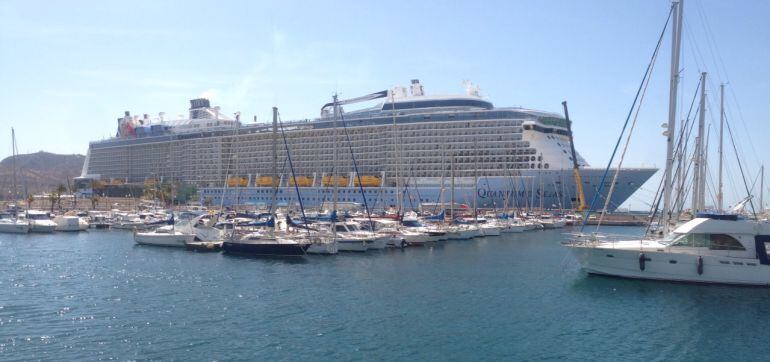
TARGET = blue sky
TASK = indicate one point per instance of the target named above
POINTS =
(70, 68)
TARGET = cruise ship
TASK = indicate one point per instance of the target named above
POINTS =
(410, 149)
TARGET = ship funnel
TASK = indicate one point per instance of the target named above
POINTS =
(417, 88)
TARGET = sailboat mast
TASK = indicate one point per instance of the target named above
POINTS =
(334, 156)
(452, 187)
(475, 177)
(275, 159)
(395, 153)
(13, 162)
(720, 195)
(676, 38)
(700, 180)
(762, 189)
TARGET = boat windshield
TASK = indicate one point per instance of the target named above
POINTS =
(353, 227)
(411, 223)
(671, 238)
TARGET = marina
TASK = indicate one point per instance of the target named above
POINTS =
(326, 182)
(97, 294)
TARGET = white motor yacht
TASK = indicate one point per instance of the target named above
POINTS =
(164, 236)
(512, 226)
(550, 222)
(40, 222)
(722, 249)
(349, 238)
(12, 225)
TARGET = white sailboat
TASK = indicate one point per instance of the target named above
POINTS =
(9, 223)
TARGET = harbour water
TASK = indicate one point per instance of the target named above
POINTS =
(97, 295)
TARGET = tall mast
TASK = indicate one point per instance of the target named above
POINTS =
(676, 37)
(762, 189)
(334, 157)
(720, 195)
(13, 162)
(452, 187)
(275, 160)
(395, 152)
(699, 183)
(475, 177)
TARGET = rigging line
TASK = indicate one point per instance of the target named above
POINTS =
(716, 55)
(683, 141)
(743, 175)
(355, 167)
(711, 42)
(293, 176)
(740, 149)
(628, 117)
(655, 207)
(625, 147)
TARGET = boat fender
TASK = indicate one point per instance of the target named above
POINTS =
(642, 260)
(700, 265)
(403, 243)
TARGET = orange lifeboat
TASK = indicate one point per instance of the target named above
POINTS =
(302, 181)
(329, 181)
(267, 181)
(237, 182)
(367, 181)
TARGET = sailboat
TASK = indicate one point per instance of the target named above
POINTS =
(267, 243)
(9, 223)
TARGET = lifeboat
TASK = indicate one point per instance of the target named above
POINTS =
(237, 182)
(267, 181)
(302, 181)
(116, 181)
(329, 181)
(367, 181)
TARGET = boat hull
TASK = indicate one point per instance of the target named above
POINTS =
(37, 227)
(352, 245)
(14, 228)
(265, 249)
(326, 248)
(160, 239)
(672, 267)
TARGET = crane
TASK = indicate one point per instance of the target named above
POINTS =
(580, 196)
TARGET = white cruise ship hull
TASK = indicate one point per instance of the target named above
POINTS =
(491, 192)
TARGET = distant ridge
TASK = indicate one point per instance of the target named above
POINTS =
(39, 172)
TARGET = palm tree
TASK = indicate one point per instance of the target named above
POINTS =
(60, 190)
(30, 200)
(94, 201)
(52, 197)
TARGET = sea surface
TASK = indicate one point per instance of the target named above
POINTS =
(96, 295)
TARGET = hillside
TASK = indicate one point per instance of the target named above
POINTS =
(40, 172)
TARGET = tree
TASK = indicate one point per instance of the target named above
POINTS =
(52, 198)
(60, 190)
(30, 200)
(94, 201)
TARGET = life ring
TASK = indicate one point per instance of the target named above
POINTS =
(700, 265)
(642, 260)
